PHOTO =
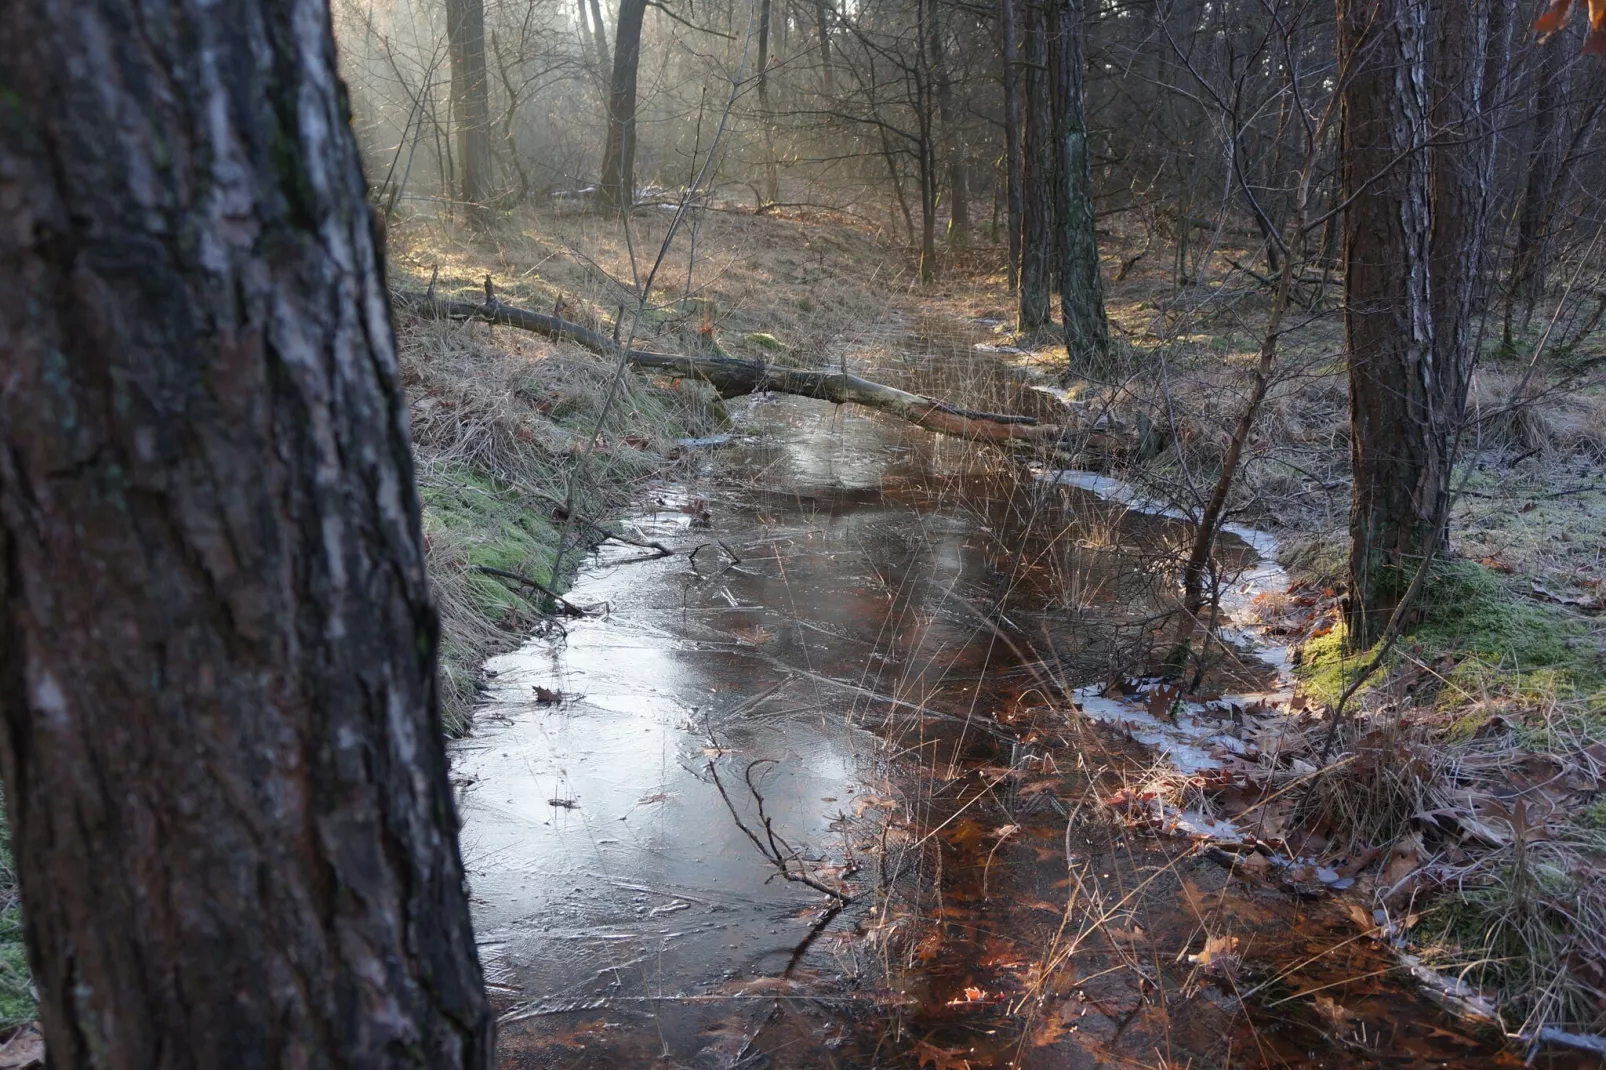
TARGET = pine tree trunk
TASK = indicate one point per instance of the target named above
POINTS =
(1467, 59)
(1037, 253)
(1398, 441)
(617, 186)
(471, 106)
(1087, 332)
(218, 715)
(1012, 133)
(1547, 139)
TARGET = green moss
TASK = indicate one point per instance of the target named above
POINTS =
(1503, 644)
(1511, 938)
(765, 340)
(493, 527)
(16, 993)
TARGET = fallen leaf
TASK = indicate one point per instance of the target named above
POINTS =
(1333, 1013)
(1161, 701)
(24, 1051)
(1219, 957)
(757, 635)
(1404, 858)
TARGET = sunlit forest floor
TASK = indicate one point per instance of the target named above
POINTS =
(1476, 760)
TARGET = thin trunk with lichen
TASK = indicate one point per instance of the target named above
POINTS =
(1399, 444)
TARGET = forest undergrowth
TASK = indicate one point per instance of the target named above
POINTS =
(1463, 783)
(1466, 773)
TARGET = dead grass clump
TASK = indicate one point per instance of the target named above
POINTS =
(1392, 773)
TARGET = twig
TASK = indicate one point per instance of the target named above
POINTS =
(771, 853)
(569, 608)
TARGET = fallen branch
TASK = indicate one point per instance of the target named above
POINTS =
(780, 854)
(734, 377)
(568, 607)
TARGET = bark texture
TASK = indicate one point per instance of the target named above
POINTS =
(471, 105)
(1037, 258)
(1398, 442)
(1087, 332)
(618, 181)
(218, 725)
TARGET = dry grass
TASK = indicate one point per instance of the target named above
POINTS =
(503, 426)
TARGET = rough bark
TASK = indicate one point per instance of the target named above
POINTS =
(1465, 61)
(617, 186)
(1037, 206)
(1398, 439)
(1012, 133)
(1087, 332)
(471, 106)
(218, 721)
(734, 377)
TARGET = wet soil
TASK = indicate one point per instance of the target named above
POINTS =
(814, 796)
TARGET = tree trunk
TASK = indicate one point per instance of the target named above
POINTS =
(953, 137)
(1399, 441)
(822, 16)
(1547, 137)
(1012, 132)
(772, 178)
(1087, 332)
(219, 729)
(1463, 136)
(617, 187)
(928, 148)
(471, 106)
(1037, 258)
(600, 38)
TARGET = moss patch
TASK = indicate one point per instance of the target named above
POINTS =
(1502, 642)
(16, 995)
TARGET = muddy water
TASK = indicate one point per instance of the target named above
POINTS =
(865, 668)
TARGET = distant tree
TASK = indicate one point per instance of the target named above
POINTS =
(1037, 253)
(1087, 332)
(219, 733)
(618, 181)
(471, 105)
(1008, 43)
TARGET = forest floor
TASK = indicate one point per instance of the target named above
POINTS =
(1476, 755)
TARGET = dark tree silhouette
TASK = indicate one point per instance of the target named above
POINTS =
(218, 721)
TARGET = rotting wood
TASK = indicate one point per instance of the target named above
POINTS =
(734, 377)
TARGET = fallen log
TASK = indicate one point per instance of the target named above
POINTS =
(734, 377)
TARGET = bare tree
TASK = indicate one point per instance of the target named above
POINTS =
(471, 105)
(1087, 333)
(618, 181)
